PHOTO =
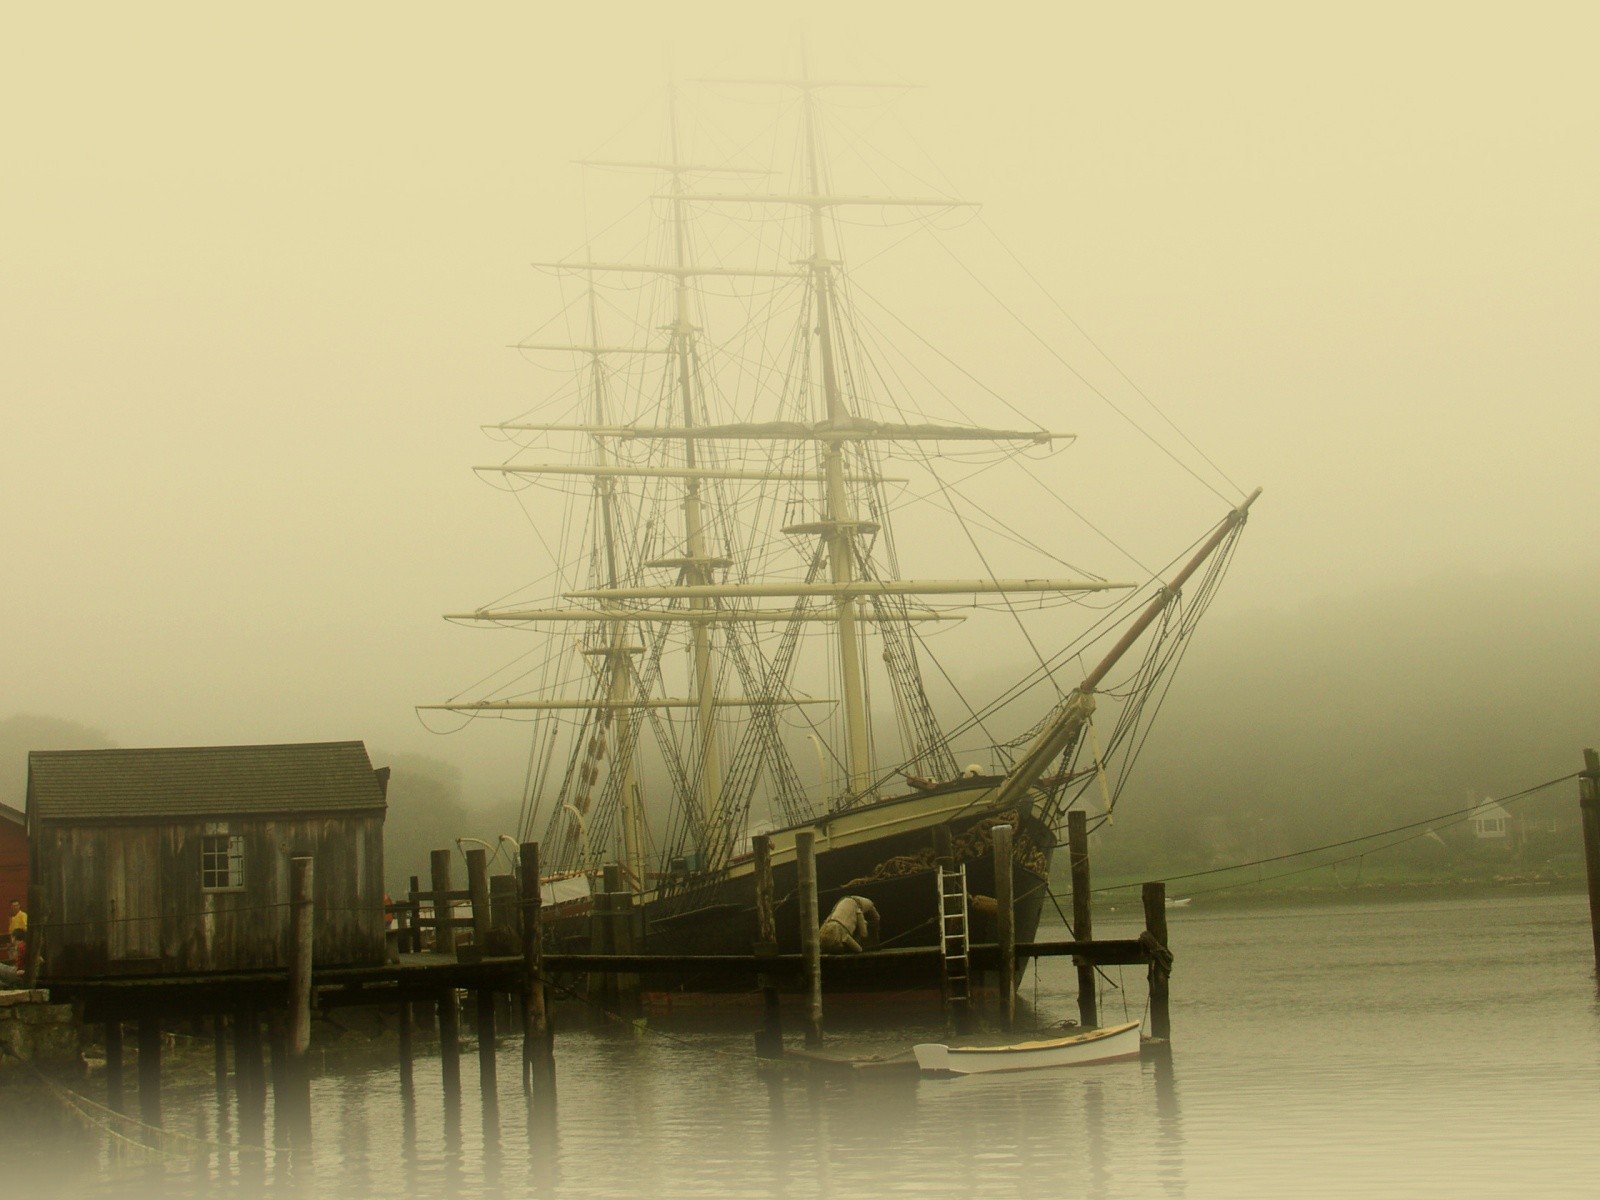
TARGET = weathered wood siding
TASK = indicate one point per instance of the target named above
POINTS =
(127, 898)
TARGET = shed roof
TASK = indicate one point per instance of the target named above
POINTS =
(196, 781)
(7, 813)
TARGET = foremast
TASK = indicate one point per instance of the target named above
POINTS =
(697, 564)
(618, 651)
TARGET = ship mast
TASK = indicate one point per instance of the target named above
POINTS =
(617, 653)
(696, 565)
(838, 525)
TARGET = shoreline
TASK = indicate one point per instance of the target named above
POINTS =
(1248, 895)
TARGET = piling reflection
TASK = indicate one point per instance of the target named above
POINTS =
(539, 1078)
(1094, 1130)
(681, 1110)
(778, 1134)
(1169, 1123)
(451, 1156)
(408, 1129)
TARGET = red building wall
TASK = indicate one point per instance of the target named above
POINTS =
(13, 862)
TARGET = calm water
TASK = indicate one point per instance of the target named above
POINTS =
(1432, 1049)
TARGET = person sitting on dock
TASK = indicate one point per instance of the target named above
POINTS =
(853, 918)
(17, 928)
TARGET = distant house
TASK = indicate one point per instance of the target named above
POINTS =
(1491, 822)
(13, 860)
(176, 860)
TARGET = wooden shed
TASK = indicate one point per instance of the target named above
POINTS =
(176, 860)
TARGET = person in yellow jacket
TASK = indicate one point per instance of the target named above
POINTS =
(18, 931)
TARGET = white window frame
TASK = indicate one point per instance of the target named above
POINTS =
(224, 861)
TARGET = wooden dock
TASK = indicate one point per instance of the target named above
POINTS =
(266, 1013)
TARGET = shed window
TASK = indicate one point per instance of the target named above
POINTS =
(221, 863)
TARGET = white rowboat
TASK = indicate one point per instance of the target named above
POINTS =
(1080, 1049)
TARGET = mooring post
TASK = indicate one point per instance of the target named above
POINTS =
(502, 913)
(444, 931)
(1589, 804)
(416, 915)
(1005, 900)
(1155, 925)
(603, 985)
(301, 941)
(805, 849)
(478, 894)
(1082, 914)
(450, 1045)
(769, 1038)
(114, 1065)
(629, 986)
(536, 1047)
(150, 1068)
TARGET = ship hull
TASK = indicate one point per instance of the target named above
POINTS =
(882, 851)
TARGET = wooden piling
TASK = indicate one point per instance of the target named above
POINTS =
(603, 985)
(769, 1038)
(1589, 805)
(301, 935)
(292, 1078)
(503, 914)
(478, 894)
(1155, 924)
(450, 1045)
(536, 1048)
(805, 847)
(416, 916)
(444, 933)
(150, 1069)
(629, 987)
(114, 1099)
(1082, 915)
(1005, 921)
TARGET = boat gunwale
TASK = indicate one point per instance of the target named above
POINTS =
(1086, 1038)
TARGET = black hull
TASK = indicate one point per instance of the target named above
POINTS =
(716, 915)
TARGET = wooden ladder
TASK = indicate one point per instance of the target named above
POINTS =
(953, 942)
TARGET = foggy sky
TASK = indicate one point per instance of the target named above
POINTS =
(260, 269)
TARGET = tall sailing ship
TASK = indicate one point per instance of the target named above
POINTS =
(728, 643)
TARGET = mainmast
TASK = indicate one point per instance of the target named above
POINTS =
(838, 525)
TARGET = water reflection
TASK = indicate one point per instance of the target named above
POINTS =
(1317, 1055)
(1169, 1125)
(543, 1144)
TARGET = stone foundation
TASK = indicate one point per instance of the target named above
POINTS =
(34, 1030)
